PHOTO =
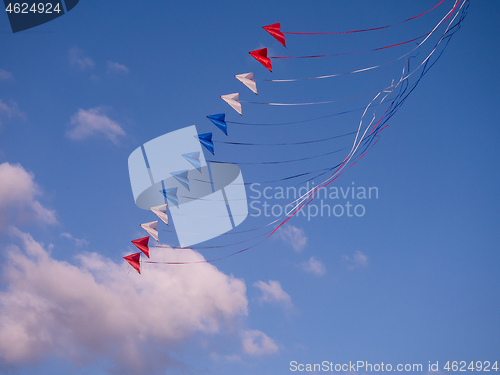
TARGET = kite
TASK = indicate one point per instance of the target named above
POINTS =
(171, 195)
(142, 244)
(275, 31)
(248, 81)
(233, 101)
(151, 229)
(219, 120)
(161, 210)
(133, 260)
(261, 56)
(206, 140)
(182, 177)
(194, 159)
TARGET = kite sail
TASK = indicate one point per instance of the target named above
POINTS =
(161, 210)
(194, 159)
(219, 120)
(142, 244)
(182, 177)
(151, 229)
(261, 56)
(275, 31)
(206, 140)
(248, 81)
(133, 260)
(171, 195)
(233, 101)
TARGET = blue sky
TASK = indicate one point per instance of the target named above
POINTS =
(415, 279)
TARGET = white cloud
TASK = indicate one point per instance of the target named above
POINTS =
(116, 67)
(273, 292)
(257, 343)
(94, 122)
(293, 236)
(99, 308)
(78, 59)
(9, 110)
(17, 196)
(5, 75)
(78, 242)
(355, 261)
(314, 266)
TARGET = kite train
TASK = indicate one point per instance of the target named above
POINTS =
(206, 199)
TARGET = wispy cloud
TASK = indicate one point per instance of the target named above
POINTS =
(293, 236)
(17, 197)
(78, 59)
(117, 68)
(231, 358)
(314, 266)
(95, 78)
(357, 260)
(257, 343)
(5, 75)
(78, 242)
(272, 292)
(94, 122)
(53, 308)
(10, 110)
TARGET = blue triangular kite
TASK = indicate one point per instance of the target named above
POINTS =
(194, 159)
(182, 177)
(171, 195)
(206, 140)
(219, 121)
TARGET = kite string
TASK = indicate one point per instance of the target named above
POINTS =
(350, 53)
(363, 30)
(312, 103)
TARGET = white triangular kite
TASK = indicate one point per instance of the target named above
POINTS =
(161, 212)
(247, 80)
(151, 229)
(232, 100)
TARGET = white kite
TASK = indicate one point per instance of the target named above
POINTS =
(151, 229)
(248, 81)
(161, 212)
(233, 101)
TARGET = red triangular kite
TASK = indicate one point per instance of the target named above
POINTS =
(274, 30)
(133, 260)
(261, 56)
(142, 244)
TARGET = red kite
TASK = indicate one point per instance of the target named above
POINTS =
(142, 244)
(133, 260)
(261, 56)
(274, 30)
